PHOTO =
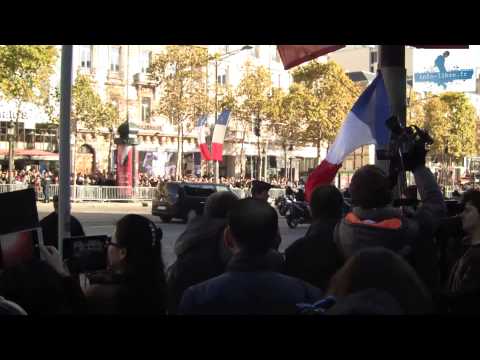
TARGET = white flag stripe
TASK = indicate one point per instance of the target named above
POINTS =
(219, 134)
(353, 134)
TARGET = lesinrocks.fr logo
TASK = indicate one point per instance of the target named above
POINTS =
(442, 77)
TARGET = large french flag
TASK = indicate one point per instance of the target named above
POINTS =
(219, 135)
(202, 142)
(364, 125)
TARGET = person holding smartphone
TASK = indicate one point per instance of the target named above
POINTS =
(134, 282)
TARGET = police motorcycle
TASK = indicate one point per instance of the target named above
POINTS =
(282, 202)
(298, 211)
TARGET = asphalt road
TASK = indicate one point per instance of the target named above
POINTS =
(100, 218)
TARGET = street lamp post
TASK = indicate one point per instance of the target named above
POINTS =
(10, 133)
(290, 150)
(264, 154)
(217, 59)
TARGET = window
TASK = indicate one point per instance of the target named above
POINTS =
(222, 79)
(257, 51)
(114, 58)
(373, 57)
(199, 190)
(86, 56)
(146, 105)
(145, 60)
(227, 47)
(372, 68)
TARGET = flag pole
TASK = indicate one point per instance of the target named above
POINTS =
(65, 106)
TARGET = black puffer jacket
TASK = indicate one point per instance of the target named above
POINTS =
(412, 236)
(199, 257)
(314, 258)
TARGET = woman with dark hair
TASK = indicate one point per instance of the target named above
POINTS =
(135, 281)
(381, 269)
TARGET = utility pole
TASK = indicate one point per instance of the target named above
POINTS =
(392, 66)
(216, 113)
(65, 107)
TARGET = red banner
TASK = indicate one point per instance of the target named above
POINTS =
(124, 165)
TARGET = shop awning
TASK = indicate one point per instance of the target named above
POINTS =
(32, 154)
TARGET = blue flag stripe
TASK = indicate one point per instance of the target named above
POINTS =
(372, 108)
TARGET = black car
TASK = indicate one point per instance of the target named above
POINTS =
(182, 200)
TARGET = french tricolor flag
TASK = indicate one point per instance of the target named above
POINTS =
(364, 125)
(219, 135)
(202, 142)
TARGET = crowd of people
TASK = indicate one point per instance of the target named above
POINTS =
(35, 177)
(375, 259)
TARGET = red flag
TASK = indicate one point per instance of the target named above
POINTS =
(293, 55)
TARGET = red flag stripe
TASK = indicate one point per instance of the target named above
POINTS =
(293, 55)
(322, 175)
(205, 153)
(217, 151)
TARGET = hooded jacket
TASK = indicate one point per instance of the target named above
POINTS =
(412, 237)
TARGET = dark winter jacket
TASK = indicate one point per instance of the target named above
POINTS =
(202, 255)
(412, 237)
(248, 287)
(465, 274)
(314, 258)
(117, 295)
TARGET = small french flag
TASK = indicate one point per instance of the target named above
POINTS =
(219, 135)
(202, 142)
(364, 124)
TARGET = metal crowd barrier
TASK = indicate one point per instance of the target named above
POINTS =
(276, 193)
(116, 193)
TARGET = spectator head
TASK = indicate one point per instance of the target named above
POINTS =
(382, 269)
(326, 203)
(135, 248)
(252, 226)
(370, 188)
(55, 203)
(471, 212)
(260, 190)
(219, 204)
(36, 287)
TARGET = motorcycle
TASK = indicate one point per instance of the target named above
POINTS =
(281, 203)
(297, 212)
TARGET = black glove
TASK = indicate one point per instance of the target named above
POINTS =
(415, 157)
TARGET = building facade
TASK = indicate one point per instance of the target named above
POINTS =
(119, 75)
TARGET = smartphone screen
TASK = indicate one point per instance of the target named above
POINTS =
(86, 253)
(19, 247)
